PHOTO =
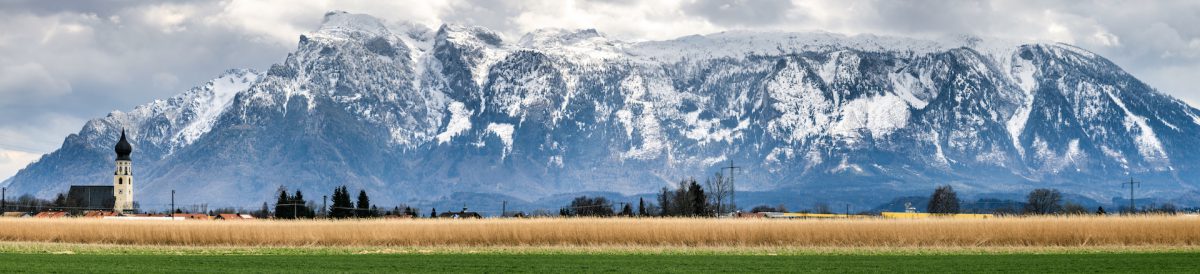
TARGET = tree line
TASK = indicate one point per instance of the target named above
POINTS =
(687, 199)
(1041, 201)
(294, 206)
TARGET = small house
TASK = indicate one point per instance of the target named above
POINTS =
(50, 214)
(464, 214)
(232, 217)
(98, 213)
(15, 214)
(193, 216)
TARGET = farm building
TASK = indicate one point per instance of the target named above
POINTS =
(460, 215)
(15, 214)
(91, 197)
(50, 214)
(193, 216)
(98, 213)
(234, 217)
(918, 215)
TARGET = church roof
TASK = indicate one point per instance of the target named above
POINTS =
(123, 148)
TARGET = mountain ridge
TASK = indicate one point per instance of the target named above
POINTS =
(417, 113)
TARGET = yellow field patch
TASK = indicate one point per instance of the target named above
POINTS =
(1069, 232)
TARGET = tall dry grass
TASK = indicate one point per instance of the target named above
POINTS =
(1172, 231)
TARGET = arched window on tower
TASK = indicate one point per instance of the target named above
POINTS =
(120, 181)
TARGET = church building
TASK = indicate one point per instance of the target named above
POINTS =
(123, 177)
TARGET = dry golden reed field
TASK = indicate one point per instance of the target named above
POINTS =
(1076, 231)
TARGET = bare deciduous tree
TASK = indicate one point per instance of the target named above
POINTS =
(720, 190)
(1044, 201)
(944, 201)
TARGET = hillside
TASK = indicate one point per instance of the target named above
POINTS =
(416, 115)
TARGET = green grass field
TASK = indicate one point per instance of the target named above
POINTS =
(591, 263)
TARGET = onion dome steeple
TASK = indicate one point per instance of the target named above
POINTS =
(123, 148)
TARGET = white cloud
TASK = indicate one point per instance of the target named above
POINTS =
(12, 161)
(169, 18)
(26, 139)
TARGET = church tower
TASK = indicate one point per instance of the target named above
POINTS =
(123, 177)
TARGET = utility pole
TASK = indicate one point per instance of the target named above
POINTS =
(1131, 183)
(504, 209)
(732, 187)
(172, 204)
(3, 199)
(847, 209)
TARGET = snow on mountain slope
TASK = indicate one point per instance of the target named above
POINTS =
(419, 113)
(211, 101)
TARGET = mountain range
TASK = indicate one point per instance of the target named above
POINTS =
(461, 115)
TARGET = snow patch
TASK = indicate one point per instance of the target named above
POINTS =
(915, 91)
(709, 130)
(1147, 142)
(212, 101)
(505, 133)
(774, 160)
(1023, 72)
(1055, 162)
(652, 143)
(845, 165)
(938, 153)
(804, 110)
(878, 116)
(1115, 155)
(1195, 119)
(460, 121)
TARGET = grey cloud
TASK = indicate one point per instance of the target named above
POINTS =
(30, 81)
(491, 14)
(74, 64)
(740, 12)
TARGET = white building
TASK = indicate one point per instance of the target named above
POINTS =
(123, 177)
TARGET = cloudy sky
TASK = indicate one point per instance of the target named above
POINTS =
(64, 62)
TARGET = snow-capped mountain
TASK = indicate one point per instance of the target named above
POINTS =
(416, 115)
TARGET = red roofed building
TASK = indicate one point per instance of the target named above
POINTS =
(50, 214)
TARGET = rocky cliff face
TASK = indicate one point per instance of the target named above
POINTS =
(415, 115)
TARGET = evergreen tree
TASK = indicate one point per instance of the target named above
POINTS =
(699, 201)
(433, 213)
(60, 201)
(665, 197)
(627, 211)
(283, 209)
(683, 201)
(301, 207)
(264, 212)
(342, 207)
(364, 205)
(641, 206)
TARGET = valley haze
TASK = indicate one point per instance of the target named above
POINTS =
(459, 115)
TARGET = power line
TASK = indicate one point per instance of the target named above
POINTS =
(1131, 183)
(732, 187)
